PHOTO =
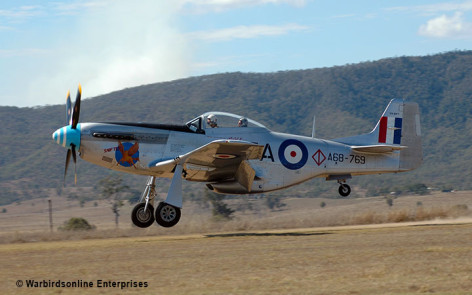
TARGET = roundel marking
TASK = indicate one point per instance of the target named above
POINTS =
(293, 154)
(224, 156)
(127, 154)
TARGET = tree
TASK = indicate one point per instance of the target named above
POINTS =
(77, 223)
(115, 207)
(110, 188)
(274, 202)
(419, 189)
(220, 209)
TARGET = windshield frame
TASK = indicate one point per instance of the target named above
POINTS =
(198, 125)
(237, 117)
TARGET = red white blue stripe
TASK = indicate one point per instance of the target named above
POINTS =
(390, 130)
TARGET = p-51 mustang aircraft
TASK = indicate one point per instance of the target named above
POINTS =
(232, 154)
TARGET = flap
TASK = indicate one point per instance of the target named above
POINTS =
(245, 175)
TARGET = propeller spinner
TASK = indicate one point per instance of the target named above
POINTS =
(69, 136)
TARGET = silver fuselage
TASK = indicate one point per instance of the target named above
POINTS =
(287, 159)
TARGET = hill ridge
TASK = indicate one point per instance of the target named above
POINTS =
(346, 100)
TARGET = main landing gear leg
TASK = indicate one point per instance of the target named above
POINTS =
(168, 212)
(143, 213)
(344, 189)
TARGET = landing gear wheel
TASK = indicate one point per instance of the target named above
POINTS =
(167, 215)
(142, 218)
(344, 190)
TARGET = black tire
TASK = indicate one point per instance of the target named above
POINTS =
(344, 190)
(140, 218)
(167, 215)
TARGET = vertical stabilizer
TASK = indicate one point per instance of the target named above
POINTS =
(387, 131)
(397, 129)
(389, 127)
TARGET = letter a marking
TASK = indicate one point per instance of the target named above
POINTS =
(264, 154)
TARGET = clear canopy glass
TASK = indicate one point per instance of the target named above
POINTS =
(222, 120)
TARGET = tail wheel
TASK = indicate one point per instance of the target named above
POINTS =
(167, 215)
(344, 190)
(142, 218)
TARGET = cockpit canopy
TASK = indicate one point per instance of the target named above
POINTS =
(221, 120)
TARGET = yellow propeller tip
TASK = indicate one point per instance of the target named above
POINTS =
(80, 88)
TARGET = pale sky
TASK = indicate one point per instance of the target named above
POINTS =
(47, 48)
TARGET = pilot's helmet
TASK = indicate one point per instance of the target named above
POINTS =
(242, 122)
(212, 120)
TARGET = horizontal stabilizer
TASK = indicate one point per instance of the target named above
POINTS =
(377, 149)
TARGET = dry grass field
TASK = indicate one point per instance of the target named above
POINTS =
(302, 249)
(22, 220)
(340, 260)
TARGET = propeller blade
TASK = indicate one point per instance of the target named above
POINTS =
(74, 157)
(76, 112)
(67, 164)
(68, 108)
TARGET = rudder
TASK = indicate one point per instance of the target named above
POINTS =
(411, 157)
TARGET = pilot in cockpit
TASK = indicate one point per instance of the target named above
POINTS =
(212, 121)
(242, 122)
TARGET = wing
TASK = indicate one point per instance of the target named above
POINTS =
(376, 149)
(216, 161)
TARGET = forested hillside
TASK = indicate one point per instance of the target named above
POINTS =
(346, 100)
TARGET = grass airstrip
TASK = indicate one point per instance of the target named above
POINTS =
(413, 259)
(425, 247)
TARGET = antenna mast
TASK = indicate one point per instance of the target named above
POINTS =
(313, 129)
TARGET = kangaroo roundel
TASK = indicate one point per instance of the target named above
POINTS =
(293, 154)
(127, 154)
